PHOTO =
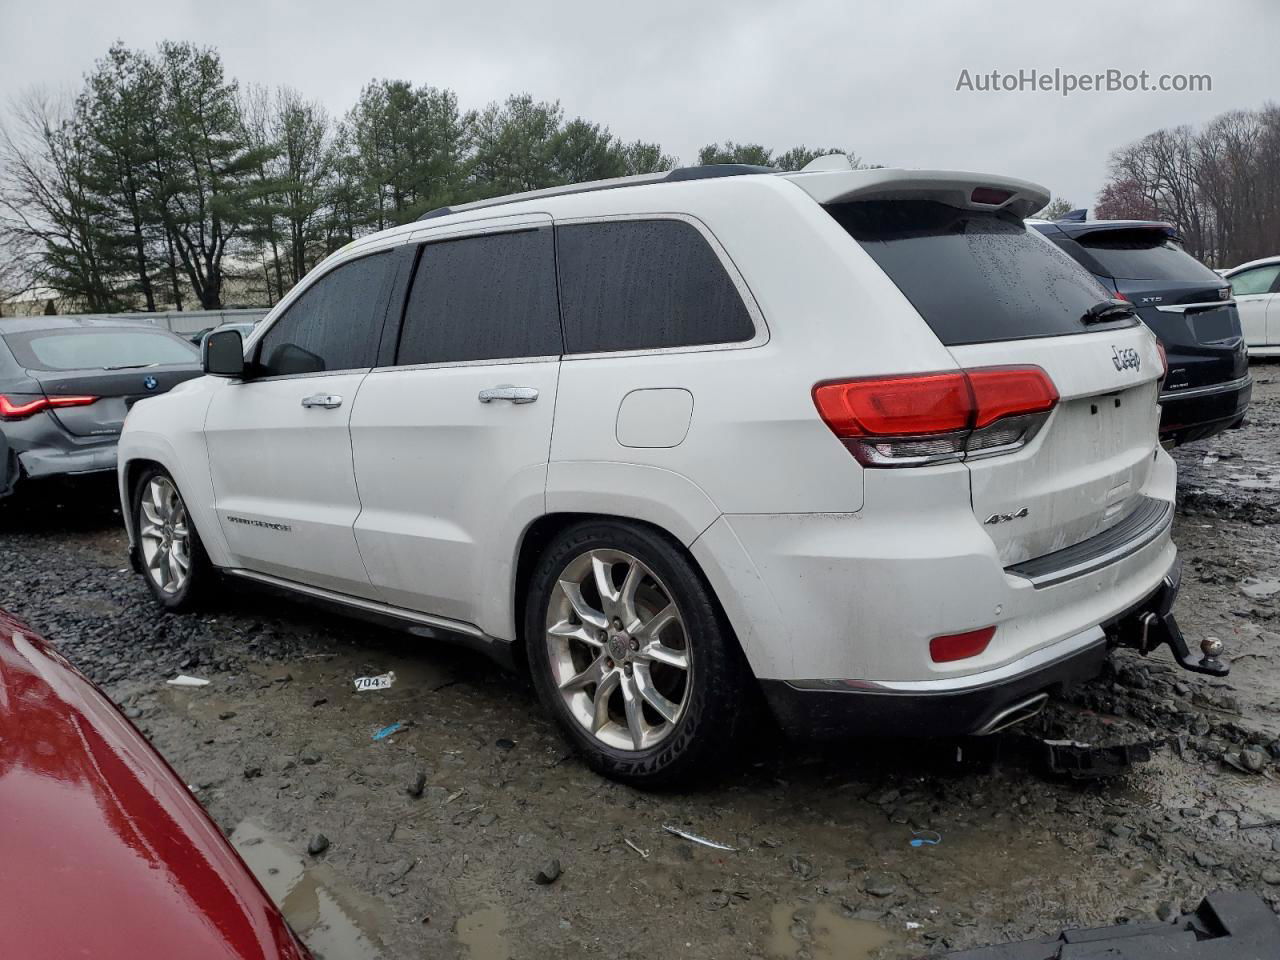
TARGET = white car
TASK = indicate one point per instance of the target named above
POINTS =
(855, 439)
(1256, 287)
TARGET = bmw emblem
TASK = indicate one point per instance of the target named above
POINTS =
(151, 383)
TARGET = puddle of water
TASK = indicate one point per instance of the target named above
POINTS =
(481, 932)
(824, 933)
(333, 920)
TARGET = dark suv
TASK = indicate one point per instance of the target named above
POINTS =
(1189, 307)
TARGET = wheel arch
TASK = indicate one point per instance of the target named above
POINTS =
(544, 529)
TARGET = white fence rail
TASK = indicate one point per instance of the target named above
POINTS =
(184, 321)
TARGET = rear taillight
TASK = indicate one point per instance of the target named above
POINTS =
(1164, 359)
(960, 646)
(18, 408)
(917, 419)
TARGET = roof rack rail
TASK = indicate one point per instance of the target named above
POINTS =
(706, 171)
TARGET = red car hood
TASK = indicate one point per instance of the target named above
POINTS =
(104, 853)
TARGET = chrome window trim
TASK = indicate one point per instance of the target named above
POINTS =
(748, 299)
(449, 364)
(479, 228)
(1206, 391)
(1037, 660)
(300, 376)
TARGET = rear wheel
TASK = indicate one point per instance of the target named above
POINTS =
(174, 563)
(630, 653)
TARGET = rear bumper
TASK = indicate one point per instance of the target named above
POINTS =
(956, 706)
(37, 447)
(1200, 412)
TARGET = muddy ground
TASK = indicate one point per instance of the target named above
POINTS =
(279, 748)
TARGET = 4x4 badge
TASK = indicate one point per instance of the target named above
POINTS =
(1006, 517)
(1127, 358)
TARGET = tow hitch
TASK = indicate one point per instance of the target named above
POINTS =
(1158, 630)
(1154, 625)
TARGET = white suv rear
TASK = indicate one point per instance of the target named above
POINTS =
(857, 439)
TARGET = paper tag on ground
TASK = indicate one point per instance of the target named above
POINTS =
(375, 683)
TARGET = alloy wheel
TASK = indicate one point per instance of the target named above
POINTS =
(619, 654)
(164, 535)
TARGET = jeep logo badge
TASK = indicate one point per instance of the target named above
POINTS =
(1126, 358)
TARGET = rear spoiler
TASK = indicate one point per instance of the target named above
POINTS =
(977, 191)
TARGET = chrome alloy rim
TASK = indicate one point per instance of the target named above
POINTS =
(165, 535)
(619, 654)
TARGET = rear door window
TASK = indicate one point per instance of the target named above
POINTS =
(1145, 255)
(118, 348)
(334, 325)
(490, 297)
(974, 276)
(645, 285)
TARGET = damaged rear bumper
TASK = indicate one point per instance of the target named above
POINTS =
(978, 703)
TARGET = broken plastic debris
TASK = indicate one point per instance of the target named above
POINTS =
(697, 839)
(643, 853)
(920, 838)
(182, 680)
(381, 682)
(388, 731)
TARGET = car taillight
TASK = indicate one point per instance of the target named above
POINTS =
(18, 408)
(1164, 359)
(960, 646)
(917, 419)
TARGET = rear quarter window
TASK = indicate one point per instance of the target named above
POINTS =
(1145, 255)
(974, 276)
(100, 349)
(645, 285)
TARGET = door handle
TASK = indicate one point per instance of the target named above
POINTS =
(514, 394)
(327, 400)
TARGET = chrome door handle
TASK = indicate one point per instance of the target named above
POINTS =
(514, 394)
(327, 400)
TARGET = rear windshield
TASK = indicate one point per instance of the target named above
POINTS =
(1145, 255)
(103, 349)
(975, 277)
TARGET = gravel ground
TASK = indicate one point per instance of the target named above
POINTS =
(436, 834)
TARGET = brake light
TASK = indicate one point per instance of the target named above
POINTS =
(1121, 296)
(989, 196)
(1164, 359)
(13, 408)
(960, 646)
(926, 418)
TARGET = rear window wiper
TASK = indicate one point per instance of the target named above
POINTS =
(1105, 310)
(131, 366)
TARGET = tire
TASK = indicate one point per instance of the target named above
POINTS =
(174, 537)
(621, 696)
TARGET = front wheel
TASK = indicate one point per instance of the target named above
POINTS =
(630, 653)
(174, 563)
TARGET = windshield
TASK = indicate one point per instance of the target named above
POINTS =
(974, 276)
(1145, 255)
(102, 349)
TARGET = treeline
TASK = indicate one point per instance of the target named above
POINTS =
(165, 184)
(1219, 185)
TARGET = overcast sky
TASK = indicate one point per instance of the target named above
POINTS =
(877, 79)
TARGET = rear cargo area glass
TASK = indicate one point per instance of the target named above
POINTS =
(975, 277)
(99, 349)
(1146, 255)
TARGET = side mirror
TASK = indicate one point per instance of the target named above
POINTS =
(223, 353)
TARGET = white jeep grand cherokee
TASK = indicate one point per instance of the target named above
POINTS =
(859, 440)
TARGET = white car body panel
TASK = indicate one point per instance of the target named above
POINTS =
(416, 496)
